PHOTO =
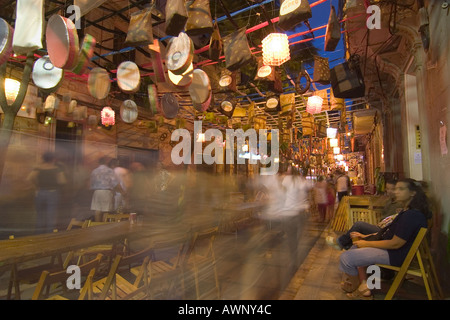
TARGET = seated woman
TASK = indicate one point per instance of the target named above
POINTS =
(360, 228)
(391, 245)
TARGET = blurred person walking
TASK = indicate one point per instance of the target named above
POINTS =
(48, 179)
(342, 184)
(320, 198)
(104, 183)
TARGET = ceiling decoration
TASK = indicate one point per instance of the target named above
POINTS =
(110, 25)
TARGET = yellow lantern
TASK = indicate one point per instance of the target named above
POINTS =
(275, 49)
(11, 89)
(333, 143)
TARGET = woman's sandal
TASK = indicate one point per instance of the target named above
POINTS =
(360, 295)
(348, 286)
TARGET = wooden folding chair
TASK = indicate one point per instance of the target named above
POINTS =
(362, 214)
(84, 254)
(166, 266)
(115, 217)
(31, 275)
(200, 257)
(425, 270)
(49, 279)
(116, 284)
(75, 223)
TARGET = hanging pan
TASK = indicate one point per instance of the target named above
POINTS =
(85, 55)
(128, 76)
(6, 37)
(128, 111)
(184, 80)
(180, 54)
(46, 76)
(62, 42)
(200, 90)
(169, 106)
(99, 83)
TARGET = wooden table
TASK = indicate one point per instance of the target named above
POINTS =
(45, 245)
(24, 249)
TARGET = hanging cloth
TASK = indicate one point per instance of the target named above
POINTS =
(29, 26)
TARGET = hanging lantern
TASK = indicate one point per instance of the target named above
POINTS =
(331, 133)
(11, 89)
(333, 143)
(314, 104)
(275, 49)
(336, 150)
(201, 137)
(108, 116)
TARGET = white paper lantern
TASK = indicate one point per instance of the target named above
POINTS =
(333, 143)
(128, 111)
(331, 133)
(336, 150)
(314, 104)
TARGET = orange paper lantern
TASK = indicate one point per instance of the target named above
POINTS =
(275, 49)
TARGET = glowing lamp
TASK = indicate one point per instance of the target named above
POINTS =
(336, 150)
(333, 143)
(11, 89)
(275, 49)
(108, 116)
(201, 137)
(331, 133)
(314, 104)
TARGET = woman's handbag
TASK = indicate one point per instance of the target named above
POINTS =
(199, 18)
(333, 32)
(237, 51)
(140, 28)
(176, 17)
(215, 44)
(293, 12)
(321, 70)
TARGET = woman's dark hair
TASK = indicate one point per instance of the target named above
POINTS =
(420, 200)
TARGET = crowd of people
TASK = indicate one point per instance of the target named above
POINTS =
(179, 197)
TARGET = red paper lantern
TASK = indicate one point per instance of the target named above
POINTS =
(108, 116)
